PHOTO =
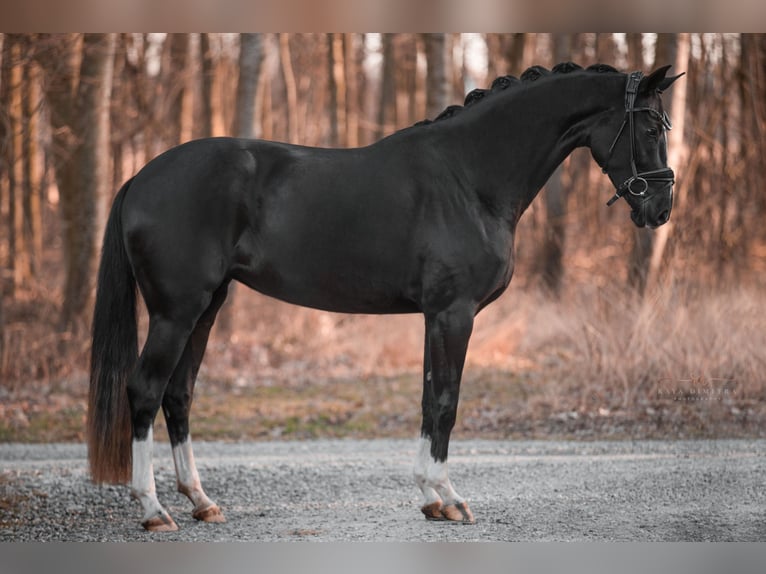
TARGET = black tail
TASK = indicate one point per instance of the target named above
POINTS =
(113, 357)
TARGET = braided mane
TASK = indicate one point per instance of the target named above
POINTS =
(503, 83)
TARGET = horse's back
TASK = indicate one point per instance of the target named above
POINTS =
(323, 228)
(381, 229)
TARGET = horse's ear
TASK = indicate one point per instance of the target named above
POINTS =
(657, 82)
(666, 83)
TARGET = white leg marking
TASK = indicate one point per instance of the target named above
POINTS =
(432, 476)
(438, 479)
(142, 486)
(187, 475)
(422, 460)
(441, 500)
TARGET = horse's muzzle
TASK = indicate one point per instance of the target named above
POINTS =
(653, 211)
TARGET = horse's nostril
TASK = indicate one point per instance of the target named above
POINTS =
(663, 217)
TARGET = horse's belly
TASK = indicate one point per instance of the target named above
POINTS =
(337, 297)
(312, 277)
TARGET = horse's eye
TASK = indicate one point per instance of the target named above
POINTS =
(653, 133)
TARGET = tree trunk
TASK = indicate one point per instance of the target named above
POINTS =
(3, 145)
(147, 94)
(4, 135)
(81, 138)
(266, 89)
(250, 58)
(506, 54)
(204, 124)
(634, 41)
(13, 60)
(752, 89)
(406, 80)
(33, 164)
(552, 248)
(606, 47)
(291, 90)
(176, 76)
(332, 86)
(515, 52)
(437, 82)
(352, 58)
(2, 334)
(643, 238)
(387, 103)
(496, 62)
(120, 129)
(337, 89)
(677, 150)
(554, 195)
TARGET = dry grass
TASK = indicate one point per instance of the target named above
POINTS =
(683, 361)
(629, 348)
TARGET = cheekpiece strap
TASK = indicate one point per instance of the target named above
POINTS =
(631, 89)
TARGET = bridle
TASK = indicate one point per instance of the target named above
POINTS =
(638, 183)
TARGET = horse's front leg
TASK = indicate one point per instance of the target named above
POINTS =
(447, 335)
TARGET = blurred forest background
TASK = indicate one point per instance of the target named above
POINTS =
(606, 330)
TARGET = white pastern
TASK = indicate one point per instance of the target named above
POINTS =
(142, 486)
(432, 476)
(187, 475)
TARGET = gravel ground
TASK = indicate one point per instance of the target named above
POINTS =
(350, 490)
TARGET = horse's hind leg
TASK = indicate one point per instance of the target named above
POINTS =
(176, 405)
(165, 343)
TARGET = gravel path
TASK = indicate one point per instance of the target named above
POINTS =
(349, 490)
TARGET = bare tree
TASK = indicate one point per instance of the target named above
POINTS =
(204, 124)
(387, 102)
(635, 45)
(337, 85)
(554, 195)
(506, 53)
(250, 59)
(14, 53)
(291, 89)
(3, 144)
(677, 151)
(353, 103)
(118, 126)
(2, 334)
(78, 99)
(751, 82)
(642, 239)
(407, 109)
(32, 163)
(176, 80)
(438, 88)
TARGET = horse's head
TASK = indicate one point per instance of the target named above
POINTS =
(631, 147)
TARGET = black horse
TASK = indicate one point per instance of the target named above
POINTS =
(422, 221)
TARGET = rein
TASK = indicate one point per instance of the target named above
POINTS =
(638, 183)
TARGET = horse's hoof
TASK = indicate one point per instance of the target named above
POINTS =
(450, 513)
(433, 511)
(458, 513)
(160, 523)
(209, 514)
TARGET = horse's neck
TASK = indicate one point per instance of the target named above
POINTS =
(518, 140)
